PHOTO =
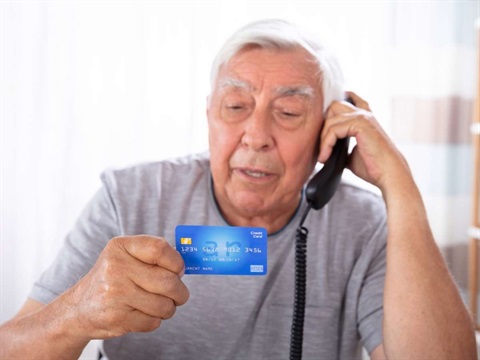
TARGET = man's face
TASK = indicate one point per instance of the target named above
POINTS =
(264, 115)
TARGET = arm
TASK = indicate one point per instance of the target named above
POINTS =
(424, 316)
(39, 327)
(134, 285)
(424, 313)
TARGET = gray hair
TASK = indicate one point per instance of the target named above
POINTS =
(279, 34)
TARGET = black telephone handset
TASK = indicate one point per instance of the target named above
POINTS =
(322, 186)
(318, 192)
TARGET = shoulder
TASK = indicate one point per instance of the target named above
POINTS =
(150, 172)
(148, 181)
(354, 198)
(355, 213)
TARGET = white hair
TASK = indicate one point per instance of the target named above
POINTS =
(281, 35)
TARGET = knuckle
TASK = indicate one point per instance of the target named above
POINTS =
(169, 280)
(169, 310)
(115, 242)
(109, 283)
(184, 295)
(109, 274)
(174, 288)
(155, 324)
(159, 247)
(108, 268)
(114, 248)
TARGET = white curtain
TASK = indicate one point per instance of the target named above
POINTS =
(90, 85)
(432, 88)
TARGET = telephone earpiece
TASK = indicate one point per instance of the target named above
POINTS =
(322, 186)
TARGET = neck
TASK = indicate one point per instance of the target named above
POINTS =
(273, 221)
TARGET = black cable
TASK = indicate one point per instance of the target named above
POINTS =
(296, 340)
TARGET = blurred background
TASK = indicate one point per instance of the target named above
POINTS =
(89, 85)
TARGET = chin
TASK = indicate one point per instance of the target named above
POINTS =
(250, 203)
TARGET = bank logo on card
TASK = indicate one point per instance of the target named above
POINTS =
(222, 250)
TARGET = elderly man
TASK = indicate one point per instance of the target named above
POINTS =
(275, 109)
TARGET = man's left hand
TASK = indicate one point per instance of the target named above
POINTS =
(375, 158)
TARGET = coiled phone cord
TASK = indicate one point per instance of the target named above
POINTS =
(296, 340)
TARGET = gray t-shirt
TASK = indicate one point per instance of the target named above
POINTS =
(238, 317)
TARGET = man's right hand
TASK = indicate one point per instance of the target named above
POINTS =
(134, 285)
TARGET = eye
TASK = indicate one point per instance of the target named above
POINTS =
(290, 114)
(235, 110)
(289, 110)
(235, 107)
(290, 118)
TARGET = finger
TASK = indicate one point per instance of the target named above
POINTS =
(358, 101)
(337, 127)
(339, 107)
(160, 281)
(137, 321)
(152, 250)
(152, 304)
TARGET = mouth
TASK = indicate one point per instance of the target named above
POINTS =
(254, 174)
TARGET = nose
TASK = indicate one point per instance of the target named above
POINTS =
(257, 134)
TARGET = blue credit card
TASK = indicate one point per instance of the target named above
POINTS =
(222, 250)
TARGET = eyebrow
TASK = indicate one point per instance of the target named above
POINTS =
(303, 91)
(235, 83)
